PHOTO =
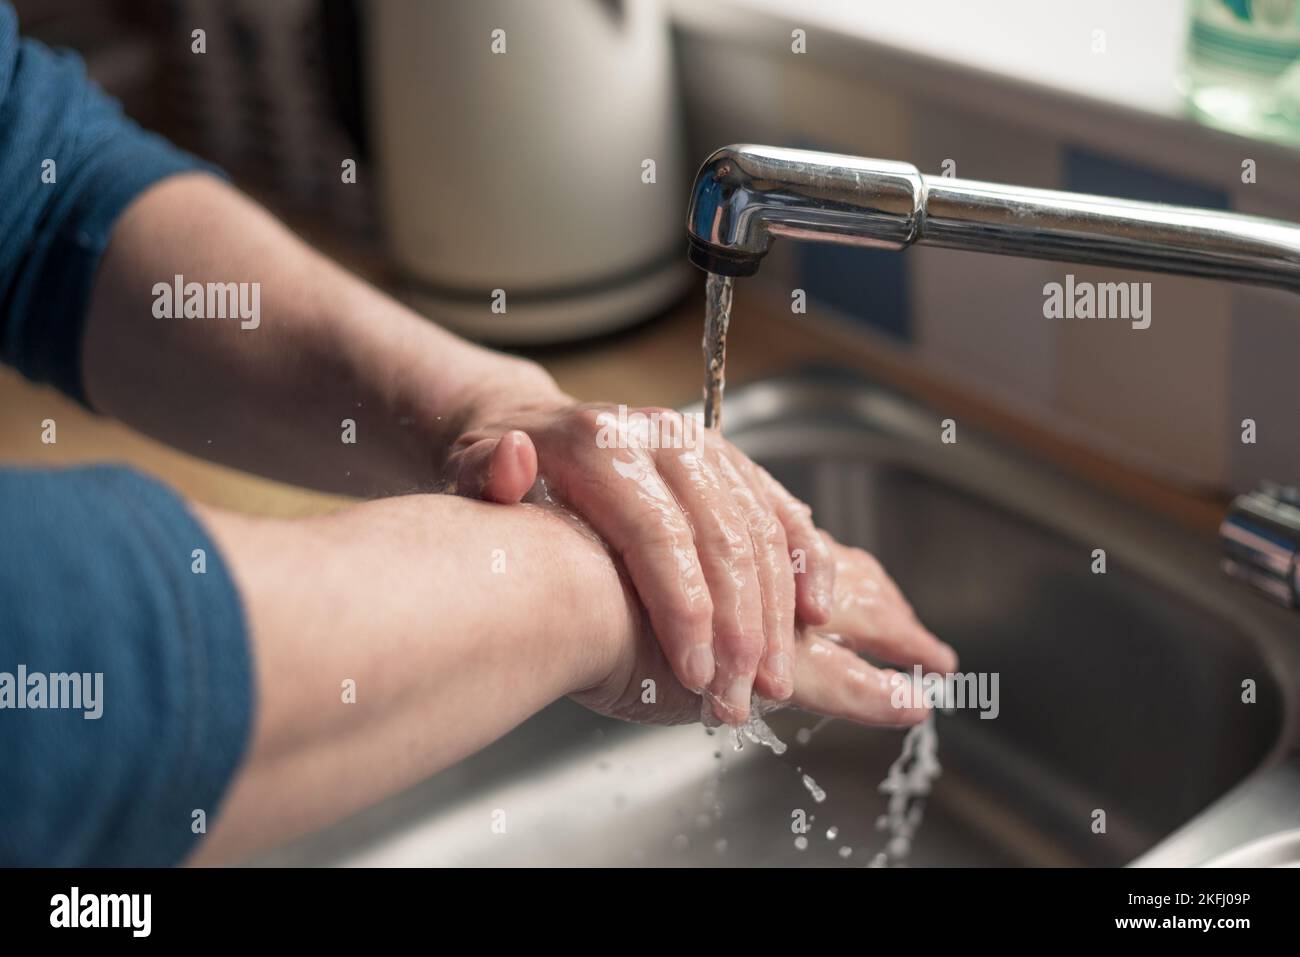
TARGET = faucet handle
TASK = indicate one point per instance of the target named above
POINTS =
(1260, 537)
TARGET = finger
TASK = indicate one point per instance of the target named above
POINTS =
(811, 558)
(499, 469)
(627, 502)
(833, 681)
(726, 556)
(871, 615)
(774, 678)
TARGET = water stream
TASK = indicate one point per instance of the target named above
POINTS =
(910, 777)
(717, 317)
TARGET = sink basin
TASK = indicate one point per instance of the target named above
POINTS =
(1119, 692)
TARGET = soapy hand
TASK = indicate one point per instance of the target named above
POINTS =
(869, 615)
(710, 539)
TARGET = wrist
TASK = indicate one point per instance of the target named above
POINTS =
(491, 388)
(600, 618)
(508, 387)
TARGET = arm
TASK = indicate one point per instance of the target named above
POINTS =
(270, 398)
(447, 654)
(218, 686)
(449, 649)
(706, 536)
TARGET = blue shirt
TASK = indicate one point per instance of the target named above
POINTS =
(125, 674)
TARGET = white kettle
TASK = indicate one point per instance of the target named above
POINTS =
(529, 158)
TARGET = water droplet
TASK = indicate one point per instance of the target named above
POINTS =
(817, 793)
(801, 843)
(832, 832)
(846, 852)
(681, 842)
(803, 735)
(720, 845)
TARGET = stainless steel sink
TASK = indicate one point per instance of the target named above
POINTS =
(1119, 692)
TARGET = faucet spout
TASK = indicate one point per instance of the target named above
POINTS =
(745, 195)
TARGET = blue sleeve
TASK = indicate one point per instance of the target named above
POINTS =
(70, 162)
(99, 579)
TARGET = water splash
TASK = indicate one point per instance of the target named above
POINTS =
(754, 730)
(908, 783)
(758, 731)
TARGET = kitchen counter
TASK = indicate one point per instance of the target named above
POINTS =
(657, 363)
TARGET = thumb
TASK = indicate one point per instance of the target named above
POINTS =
(498, 470)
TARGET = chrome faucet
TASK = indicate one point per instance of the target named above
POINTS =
(745, 195)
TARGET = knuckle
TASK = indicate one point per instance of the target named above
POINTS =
(666, 531)
(742, 648)
(722, 543)
(769, 532)
(798, 513)
(591, 419)
(691, 615)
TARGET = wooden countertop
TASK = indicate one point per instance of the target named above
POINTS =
(657, 363)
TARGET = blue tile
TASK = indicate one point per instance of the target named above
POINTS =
(865, 285)
(1097, 173)
(868, 286)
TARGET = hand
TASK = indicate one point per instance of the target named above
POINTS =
(705, 534)
(869, 615)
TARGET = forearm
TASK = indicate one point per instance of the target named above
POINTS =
(448, 643)
(272, 399)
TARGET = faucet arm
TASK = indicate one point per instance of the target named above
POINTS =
(745, 195)
(1097, 230)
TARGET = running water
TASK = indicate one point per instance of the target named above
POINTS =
(717, 316)
(910, 777)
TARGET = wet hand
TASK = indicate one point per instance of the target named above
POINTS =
(710, 540)
(870, 615)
